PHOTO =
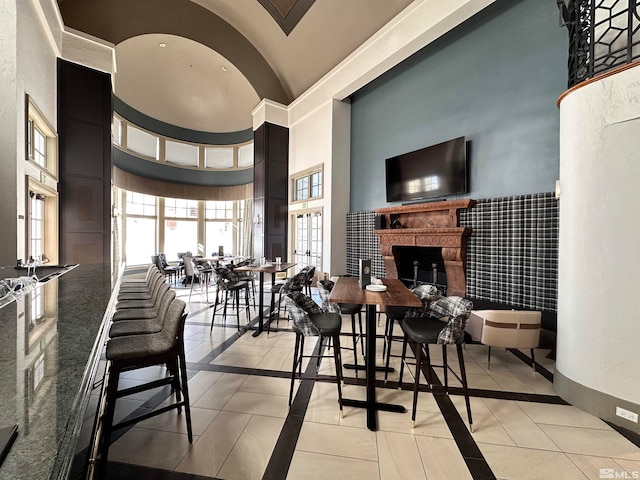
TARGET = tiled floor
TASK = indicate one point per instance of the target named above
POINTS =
(243, 428)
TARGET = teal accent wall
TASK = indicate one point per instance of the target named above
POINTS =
(495, 80)
(173, 131)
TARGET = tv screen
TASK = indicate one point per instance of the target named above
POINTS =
(430, 172)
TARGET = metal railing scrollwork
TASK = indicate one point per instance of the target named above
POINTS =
(603, 34)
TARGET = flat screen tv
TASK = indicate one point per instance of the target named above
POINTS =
(431, 172)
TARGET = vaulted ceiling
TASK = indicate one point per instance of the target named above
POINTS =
(205, 64)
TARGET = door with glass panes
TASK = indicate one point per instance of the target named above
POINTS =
(308, 239)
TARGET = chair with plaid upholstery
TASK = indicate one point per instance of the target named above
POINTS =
(310, 321)
(292, 284)
(447, 317)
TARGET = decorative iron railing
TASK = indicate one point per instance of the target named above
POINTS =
(603, 34)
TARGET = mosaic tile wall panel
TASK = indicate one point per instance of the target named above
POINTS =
(363, 243)
(512, 254)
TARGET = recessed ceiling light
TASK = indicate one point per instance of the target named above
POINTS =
(223, 68)
(162, 44)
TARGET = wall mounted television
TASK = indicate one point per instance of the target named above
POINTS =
(431, 172)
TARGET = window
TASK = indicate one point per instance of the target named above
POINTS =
(37, 224)
(39, 147)
(142, 142)
(180, 236)
(202, 156)
(218, 210)
(42, 140)
(220, 228)
(245, 155)
(179, 208)
(307, 185)
(140, 228)
(181, 153)
(216, 157)
(140, 204)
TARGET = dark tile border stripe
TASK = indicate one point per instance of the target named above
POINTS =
(539, 368)
(473, 458)
(282, 455)
(633, 437)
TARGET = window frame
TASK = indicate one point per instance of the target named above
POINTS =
(35, 119)
(308, 176)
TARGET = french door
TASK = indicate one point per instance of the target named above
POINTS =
(307, 239)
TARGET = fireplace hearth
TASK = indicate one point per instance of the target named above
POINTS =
(420, 265)
(426, 229)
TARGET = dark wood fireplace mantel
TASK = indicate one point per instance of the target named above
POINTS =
(434, 224)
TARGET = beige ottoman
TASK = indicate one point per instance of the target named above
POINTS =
(505, 328)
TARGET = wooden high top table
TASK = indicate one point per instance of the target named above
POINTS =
(347, 290)
(269, 268)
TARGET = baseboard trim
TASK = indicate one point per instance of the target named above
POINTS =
(597, 403)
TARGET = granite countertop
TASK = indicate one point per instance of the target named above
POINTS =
(46, 340)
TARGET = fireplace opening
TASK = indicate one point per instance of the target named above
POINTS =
(421, 266)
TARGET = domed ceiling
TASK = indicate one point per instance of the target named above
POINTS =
(205, 64)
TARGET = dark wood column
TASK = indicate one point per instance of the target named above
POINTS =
(270, 191)
(85, 162)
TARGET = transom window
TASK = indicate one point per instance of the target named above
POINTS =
(218, 210)
(180, 208)
(140, 204)
(39, 147)
(42, 140)
(307, 185)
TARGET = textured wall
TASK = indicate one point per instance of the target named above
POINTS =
(495, 80)
(598, 324)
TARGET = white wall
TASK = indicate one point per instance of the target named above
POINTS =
(38, 43)
(8, 116)
(322, 137)
(599, 258)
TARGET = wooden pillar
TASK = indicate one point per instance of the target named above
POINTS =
(270, 191)
(85, 163)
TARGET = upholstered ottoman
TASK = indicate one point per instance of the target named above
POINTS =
(505, 328)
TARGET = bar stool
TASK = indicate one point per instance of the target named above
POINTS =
(427, 294)
(229, 287)
(292, 284)
(426, 331)
(158, 290)
(139, 351)
(324, 289)
(142, 325)
(309, 320)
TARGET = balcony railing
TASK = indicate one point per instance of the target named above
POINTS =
(603, 34)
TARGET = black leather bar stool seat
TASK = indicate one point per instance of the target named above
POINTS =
(424, 332)
(353, 309)
(309, 320)
(394, 315)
